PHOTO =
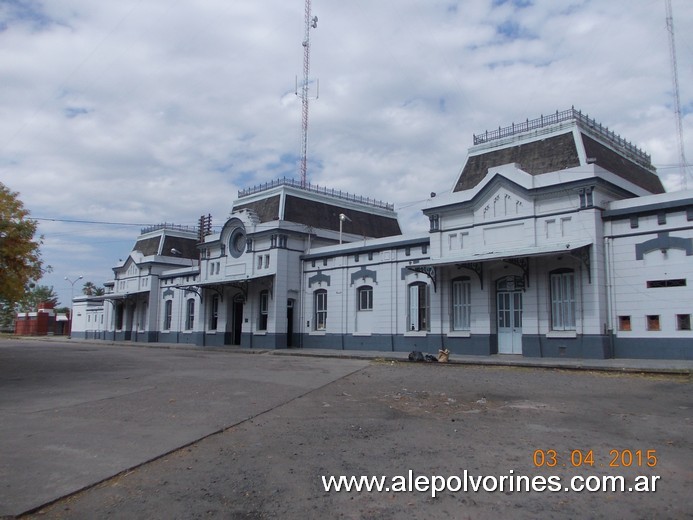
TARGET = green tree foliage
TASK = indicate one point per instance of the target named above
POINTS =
(36, 295)
(90, 289)
(20, 258)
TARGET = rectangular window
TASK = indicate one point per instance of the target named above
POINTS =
(661, 218)
(214, 312)
(264, 310)
(366, 298)
(634, 222)
(267, 260)
(168, 314)
(653, 322)
(190, 315)
(683, 322)
(320, 310)
(453, 242)
(565, 226)
(550, 228)
(370, 255)
(657, 284)
(624, 323)
(586, 197)
(461, 304)
(259, 261)
(563, 301)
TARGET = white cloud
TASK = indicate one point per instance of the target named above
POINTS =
(149, 110)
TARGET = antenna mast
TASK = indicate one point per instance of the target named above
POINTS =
(310, 23)
(677, 98)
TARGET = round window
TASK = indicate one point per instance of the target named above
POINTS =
(237, 242)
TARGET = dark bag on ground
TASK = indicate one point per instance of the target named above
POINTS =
(415, 355)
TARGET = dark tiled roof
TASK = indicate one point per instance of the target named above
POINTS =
(326, 216)
(266, 209)
(616, 163)
(148, 246)
(537, 157)
(187, 247)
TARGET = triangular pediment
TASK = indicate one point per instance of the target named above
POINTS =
(502, 199)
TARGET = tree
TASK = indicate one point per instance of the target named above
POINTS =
(36, 295)
(20, 257)
(90, 289)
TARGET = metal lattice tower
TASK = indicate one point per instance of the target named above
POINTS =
(310, 23)
(677, 98)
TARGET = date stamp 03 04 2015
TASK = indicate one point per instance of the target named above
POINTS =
(551, 458)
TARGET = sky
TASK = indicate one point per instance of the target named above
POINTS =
(117, 115)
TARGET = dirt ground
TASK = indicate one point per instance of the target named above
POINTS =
(393, 417)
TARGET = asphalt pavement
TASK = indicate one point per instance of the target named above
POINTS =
(75, 413)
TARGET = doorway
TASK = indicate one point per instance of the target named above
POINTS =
(509, 314)
(290, 322)
(237, 319)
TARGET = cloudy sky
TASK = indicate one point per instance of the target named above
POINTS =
(118, 114)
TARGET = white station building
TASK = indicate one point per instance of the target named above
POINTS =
(556, 240)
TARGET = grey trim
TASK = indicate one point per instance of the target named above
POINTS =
(398, 244)
(653, 348)
(319, 278)
(612, 214)
(364, 273)
(584, 346)
(663, 242)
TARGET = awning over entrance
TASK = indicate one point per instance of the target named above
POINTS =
(516, 256)
(218, 285)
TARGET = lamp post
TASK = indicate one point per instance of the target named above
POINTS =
(342, 219)
(72, 296)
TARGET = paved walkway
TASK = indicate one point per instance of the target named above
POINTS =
(657, 366)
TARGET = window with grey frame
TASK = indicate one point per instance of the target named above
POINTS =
(461, 302)
(168, 314)
(190, 314)
(365, 298)
(320, 306)
(214, 312)
(562, 299)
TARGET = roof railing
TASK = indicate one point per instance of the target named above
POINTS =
(611, 137)
(313, 188)
(166, 225)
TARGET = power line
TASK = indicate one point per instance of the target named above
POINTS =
(74, 221)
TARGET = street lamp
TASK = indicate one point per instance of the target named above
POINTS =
(72, 296)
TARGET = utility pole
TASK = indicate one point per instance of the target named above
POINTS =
(311, 22)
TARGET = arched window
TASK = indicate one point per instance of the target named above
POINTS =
(168, 314)
(461, 303)
(562, 299)
(365, 298)
(214, 312)
(190, 314)
(418, 307)
(320, 306)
